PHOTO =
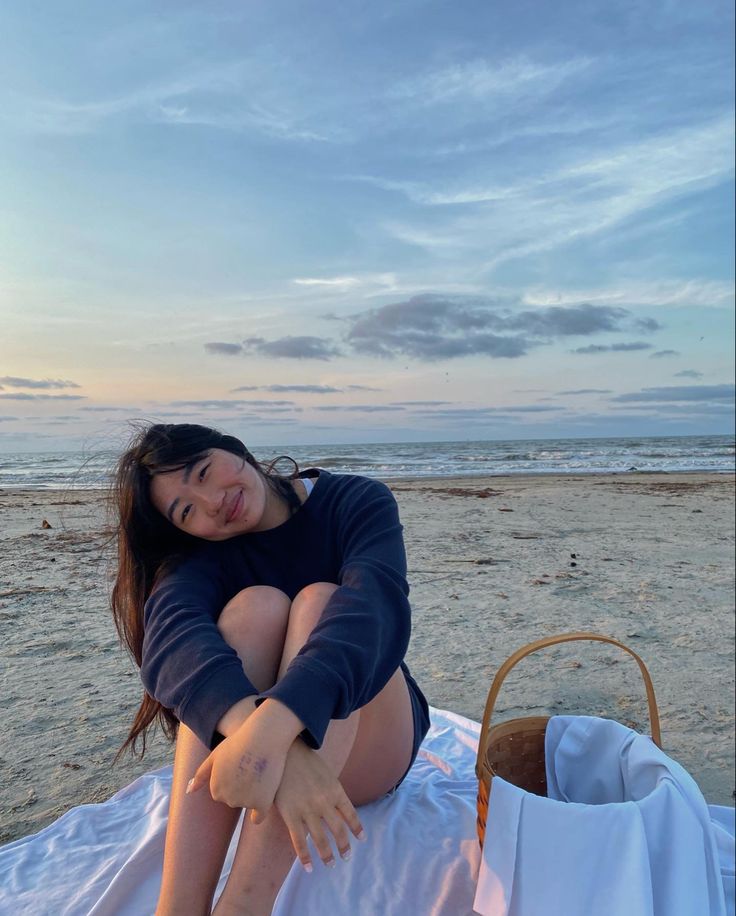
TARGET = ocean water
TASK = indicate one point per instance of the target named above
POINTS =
(419, 459)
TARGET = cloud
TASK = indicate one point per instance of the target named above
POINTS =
(269, 421)
(591, 193)
(7, 419)
(434, 326)
(688, 373)
(292, 347)
(223, 96)
(226, 349)
(14, 382)
(613, 348)
(704, 293)
(23, 396)
(360, 408)
(129, 410)
(669, 410)
(226, 404)
(661, 354)
(680, 393)
(337, 283)
(306, 389)
(420, 403)
(489, 412)
(479, 81)
(647, 324)
(586, 391)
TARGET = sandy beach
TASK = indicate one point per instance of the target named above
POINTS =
(493, 563)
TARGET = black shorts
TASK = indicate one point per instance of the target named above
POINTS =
(420, 713)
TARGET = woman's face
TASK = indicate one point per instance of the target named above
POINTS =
(215, 497)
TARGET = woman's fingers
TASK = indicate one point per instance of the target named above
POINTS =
(349, 815)
(298, 834)
(201, 777)
(316, 829)
(339, 832)
(315, 826)
(256, 816)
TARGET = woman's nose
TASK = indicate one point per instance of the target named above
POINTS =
(212, 499)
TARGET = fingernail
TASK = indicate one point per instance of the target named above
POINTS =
(330, 863)
(346, 855)
(307, 867)
(190, 786)
(362, 837)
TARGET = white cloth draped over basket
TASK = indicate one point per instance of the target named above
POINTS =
(421, 859)
(624, 831)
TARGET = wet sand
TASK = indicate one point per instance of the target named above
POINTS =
(493, 563)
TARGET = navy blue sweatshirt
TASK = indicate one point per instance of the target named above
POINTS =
(347, 532)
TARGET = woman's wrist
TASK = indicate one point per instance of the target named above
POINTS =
(236, 716)
(281, 719)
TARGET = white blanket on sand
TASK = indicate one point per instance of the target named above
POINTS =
(421, 859)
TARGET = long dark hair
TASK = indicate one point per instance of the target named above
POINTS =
(148, 544)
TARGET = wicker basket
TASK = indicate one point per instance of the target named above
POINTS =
(514, 750)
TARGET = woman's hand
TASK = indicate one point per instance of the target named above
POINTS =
(245, 770)
(311, 799)
(261, 763)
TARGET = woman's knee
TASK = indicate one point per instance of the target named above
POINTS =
(259, 606)
(315, 596)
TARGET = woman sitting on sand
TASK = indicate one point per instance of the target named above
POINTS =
(269, 617)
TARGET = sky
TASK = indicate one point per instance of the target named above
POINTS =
(366, 221)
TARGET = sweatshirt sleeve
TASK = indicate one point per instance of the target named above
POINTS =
(363, 634)
(187, 666)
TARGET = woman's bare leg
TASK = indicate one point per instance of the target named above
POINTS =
(370, 750)
(200, 829)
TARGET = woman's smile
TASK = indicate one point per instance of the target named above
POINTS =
(234, 507)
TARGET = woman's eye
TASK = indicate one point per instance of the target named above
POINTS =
(185, 513)
(203, 472)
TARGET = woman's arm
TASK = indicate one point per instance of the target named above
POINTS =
(186, 664)
(363, 633)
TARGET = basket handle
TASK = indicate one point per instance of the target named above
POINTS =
(553, 641)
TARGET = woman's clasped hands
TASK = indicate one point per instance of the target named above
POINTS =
(263, 764)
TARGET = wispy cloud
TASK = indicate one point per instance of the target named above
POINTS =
(586, 391)
(227, 96)
(663, 354)
(303, 389)
(328, 283)
(24, 396)
(688, 373)
(701, 293)
(577, 200)
(292, 347)
(420, 403)
(612, 348)
(359, 408)
(115, 409)
(219, 404)
(680, 393)
(485, 413)
(13, 381)
(482, 81)
(225, 349)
